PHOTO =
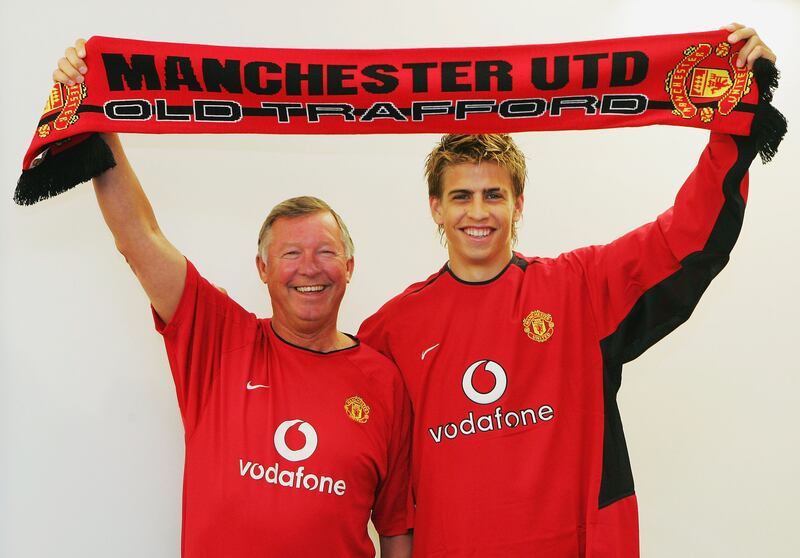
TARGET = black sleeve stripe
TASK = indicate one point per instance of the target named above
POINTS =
(661, 309)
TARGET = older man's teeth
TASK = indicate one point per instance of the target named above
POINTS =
(479, 233)
(310, 289)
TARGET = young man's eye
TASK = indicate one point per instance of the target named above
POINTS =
(494, 195)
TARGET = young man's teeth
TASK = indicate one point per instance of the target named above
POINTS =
(311, 289)
(477, 232)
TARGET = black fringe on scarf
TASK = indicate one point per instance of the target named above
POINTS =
(64, 170)
(769, 125)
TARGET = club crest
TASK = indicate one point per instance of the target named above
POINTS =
(696, 90)
(63, 103)
(357, 409)
(538, 326)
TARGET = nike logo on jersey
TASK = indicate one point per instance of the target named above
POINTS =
(255, 386)
(429, 349)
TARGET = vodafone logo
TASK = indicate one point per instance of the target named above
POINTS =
(500, 382)
(280, 475)
(484, 382)
(300, 454)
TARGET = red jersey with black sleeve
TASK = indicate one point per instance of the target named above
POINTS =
(288, 450)
(518, 444)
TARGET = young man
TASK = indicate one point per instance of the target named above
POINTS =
(513, 363)
(295, 432)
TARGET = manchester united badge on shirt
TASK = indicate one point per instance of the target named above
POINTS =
(538, 326)
(356, 409)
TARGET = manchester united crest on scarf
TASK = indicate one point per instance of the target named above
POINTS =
(701, 83)
(61, 109)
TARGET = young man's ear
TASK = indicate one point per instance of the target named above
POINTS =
(518, 204)
(436, 210)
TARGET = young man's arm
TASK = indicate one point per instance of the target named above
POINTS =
(648, 282)
(159, 266)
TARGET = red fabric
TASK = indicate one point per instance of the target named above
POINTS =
(559, 483)
(683, 80)
(216, 349)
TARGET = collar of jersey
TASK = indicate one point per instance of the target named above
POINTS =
(323, 353)
(515, 259)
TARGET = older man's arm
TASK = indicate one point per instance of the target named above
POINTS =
(396, 547)
(159, 266)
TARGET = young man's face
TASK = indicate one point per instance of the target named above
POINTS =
(477, 211)
(306, 271)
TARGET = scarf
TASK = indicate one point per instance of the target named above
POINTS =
(157, 88)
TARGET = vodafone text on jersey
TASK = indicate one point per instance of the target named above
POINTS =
(489, 422)
(297, 478)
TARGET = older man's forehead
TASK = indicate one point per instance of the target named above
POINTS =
(317, 226)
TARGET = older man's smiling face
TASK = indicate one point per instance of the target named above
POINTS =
(306, 271)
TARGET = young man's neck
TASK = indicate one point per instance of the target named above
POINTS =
(325, 340)
(476, 272)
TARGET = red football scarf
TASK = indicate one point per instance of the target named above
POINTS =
(157, 88)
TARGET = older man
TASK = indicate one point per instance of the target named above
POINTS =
(295, 432)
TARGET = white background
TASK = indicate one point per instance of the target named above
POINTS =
(91, 450)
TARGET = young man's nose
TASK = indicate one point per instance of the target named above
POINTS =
(477, 209)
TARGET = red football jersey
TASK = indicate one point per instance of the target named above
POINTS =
(518, 445)
(287, 449)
